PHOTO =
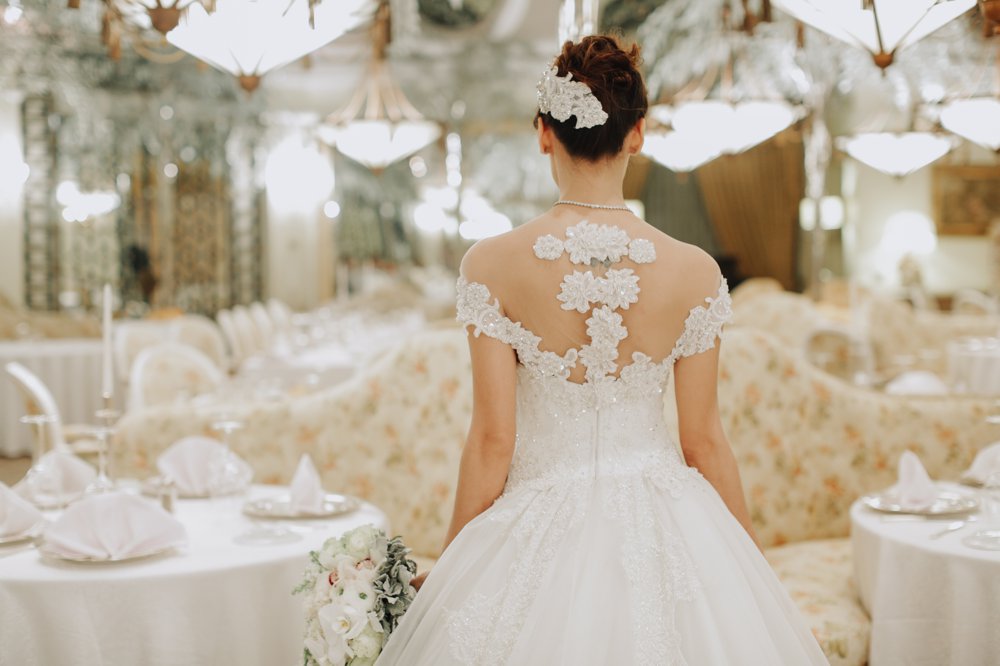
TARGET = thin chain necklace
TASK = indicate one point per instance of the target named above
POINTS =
(570, 202)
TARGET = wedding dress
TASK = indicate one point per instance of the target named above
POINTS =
(605, 548)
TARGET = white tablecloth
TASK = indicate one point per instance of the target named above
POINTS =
(72, 371)
(933, 602)
(304, 370)
(214, 604)
(974, 365)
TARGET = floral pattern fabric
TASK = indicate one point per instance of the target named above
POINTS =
(819, 577)
(807, 445)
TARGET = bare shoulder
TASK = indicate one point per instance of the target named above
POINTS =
(489, 259)
(690, 268)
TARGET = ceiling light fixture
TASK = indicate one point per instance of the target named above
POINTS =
(249, 38)
(881, 27)
(897, 153)
(379, 126)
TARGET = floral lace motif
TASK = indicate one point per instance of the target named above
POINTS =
(704, 324)
(475, 309)
(573, 438)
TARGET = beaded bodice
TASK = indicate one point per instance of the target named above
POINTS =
(614, 417)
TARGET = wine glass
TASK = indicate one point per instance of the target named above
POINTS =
(102, 483)
(224, 471)
(988, 538)
(43, 481)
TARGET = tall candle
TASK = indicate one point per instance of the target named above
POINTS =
(107, 383)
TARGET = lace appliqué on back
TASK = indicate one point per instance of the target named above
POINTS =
(592, 245)
(475, 309)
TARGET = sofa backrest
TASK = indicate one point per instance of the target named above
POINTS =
(807, 443)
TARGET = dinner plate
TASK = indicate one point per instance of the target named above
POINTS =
(29, 533)
(153, 485)
(946, 503)
(970, 481)
(983, 540)
(87, 559)
(281, 507)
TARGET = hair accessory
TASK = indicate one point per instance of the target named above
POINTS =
(560, 97)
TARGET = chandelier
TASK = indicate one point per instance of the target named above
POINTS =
(880, 27)
(379, 126)
(678, 152)
(726, 110)
(897, 153)
(249, 38)
(161, 15)
(135, 18)
(976, 119)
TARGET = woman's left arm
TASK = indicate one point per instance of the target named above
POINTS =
(489, 445)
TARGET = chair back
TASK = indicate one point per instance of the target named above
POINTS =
(131, 337)
(281, 315)
(39, 401)
(204, 335)
(166, 372)
(228, 327)
(249, 336)
(266, 330)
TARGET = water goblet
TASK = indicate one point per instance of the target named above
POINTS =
(43, 481)
(988, 538)
(224, 472)
(102, 483)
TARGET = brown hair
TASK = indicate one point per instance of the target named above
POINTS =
(612, 74)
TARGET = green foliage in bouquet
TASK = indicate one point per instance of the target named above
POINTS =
(357, 588)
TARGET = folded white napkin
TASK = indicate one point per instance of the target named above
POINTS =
(67, 475)
(916, 382)
(307, 489)
(17, 515)
(986, 463)
(113, 526)
(193, 464)
(914, 488)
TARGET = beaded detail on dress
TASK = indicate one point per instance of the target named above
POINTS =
(592, 245)
(592, 450)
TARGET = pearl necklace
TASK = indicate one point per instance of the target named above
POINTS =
(592, 205)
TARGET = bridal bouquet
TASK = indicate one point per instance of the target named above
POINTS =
(357, 587)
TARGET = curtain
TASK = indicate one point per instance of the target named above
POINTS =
(752, 201)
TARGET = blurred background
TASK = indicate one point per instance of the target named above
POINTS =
(197, 155)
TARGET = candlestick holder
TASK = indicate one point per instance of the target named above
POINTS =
(108, 416)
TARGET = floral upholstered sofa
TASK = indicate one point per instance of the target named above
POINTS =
(807, 445)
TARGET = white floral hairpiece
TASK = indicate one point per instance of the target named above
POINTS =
(560, 97)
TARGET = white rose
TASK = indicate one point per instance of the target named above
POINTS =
(359, 543)
(367, 645)
(358, 595)
(366, 572)
(329, 552)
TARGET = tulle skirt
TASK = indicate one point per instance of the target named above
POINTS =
(616, 570)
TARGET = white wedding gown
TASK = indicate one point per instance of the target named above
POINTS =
(605, 548)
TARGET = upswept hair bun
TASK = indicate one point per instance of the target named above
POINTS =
(612, 74)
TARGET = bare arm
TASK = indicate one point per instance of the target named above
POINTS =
(489, 446)
(702, 439)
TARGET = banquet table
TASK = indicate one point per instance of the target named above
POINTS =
(71, 369)
(933, 602)
(214, 602)
(974, 365)
(309, 369)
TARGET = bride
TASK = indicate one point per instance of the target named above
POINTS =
(580, 536)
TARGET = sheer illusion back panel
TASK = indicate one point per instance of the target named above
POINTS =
(654, 291)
